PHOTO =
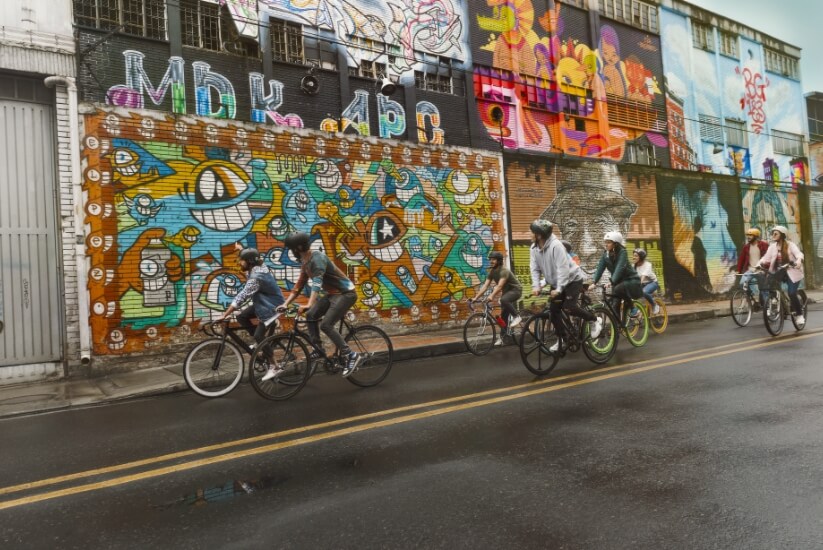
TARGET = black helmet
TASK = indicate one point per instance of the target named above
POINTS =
(641, 253)
(567, 244)
(541, 227)
(495, 255)
(295, 241)
(250, 255)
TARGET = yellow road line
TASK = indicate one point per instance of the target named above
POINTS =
(373, 425)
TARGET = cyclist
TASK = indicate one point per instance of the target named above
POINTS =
(648, 280)
(749, 258)
(332, 295)
(507, 286)
(572, 254)
(624, 279)
(261, 287)
(548, 258)
(780, 252)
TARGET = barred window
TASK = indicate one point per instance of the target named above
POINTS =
(785, 143)
(710, 129)
(703, 36)
(286, 41)
(780, 63)
(728, 44)
(634, 12)
(641, 153)
(208, 26)
(369, 69)
(145, 18)
(442, 83)
(736, 133)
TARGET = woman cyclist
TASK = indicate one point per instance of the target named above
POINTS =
(648, 280)
(780, 252)
(624, 279)
(507, 287)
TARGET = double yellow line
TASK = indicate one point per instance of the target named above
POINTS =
(396, 416)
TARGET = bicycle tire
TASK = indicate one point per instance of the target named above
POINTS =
(210, 371)
(741, 307)
(537, 338)
(637, 325)
(660, 320)
(804, 302)
(601, 349)
(479, 334)
(376, 346)
(773, 313)
(292, 355)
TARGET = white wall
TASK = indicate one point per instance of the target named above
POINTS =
(42, 16)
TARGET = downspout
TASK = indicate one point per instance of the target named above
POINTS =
(83, 312)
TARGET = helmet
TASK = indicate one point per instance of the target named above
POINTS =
(615, 237)
(250, 255)
(753, 232)
(567, 244)
(641, 253)
(541, 227)
(495, 255)
(782, 229)
(300, 240)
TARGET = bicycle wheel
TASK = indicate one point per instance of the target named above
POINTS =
(376, 348)
(637, 324)
(479, 334)
(535, 343)
(660, 320)
(741, 307)
(599, 350)
(804, 302)
(773, 313)
(290, 354)
(213, 367)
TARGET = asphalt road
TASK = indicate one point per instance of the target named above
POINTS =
(709, 437)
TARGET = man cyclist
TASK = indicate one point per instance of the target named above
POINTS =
(749, 258)
(548, 258)
(332, 295)
(507, 287)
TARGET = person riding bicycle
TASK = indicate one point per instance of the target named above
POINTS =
(332, 295)
(572, 254)
(749, 258)
(780, 252)
(548, 258)
(624, 279)
(507, 287)
(648, 280)
(261, 287)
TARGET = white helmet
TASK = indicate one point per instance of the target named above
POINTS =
(782, 229)
(615, 237)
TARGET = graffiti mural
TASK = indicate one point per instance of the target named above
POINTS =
(559, 92)
(168, 198)
(765, 206)
(816, 217)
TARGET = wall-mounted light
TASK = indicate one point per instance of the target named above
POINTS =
(309, 84)
(496, 114)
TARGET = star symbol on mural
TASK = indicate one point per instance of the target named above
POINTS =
(388, 230)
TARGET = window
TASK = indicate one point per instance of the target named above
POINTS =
(634, 12)
(785, 143)
(208, 26)
(138, 17)
(728, 44)
(703, 36)
(369, 69)
(286, 41)
(780, 63)
(736, 133)
(442, 83)
(640, 153)
(710, 129)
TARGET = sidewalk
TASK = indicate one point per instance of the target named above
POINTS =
(16, 400)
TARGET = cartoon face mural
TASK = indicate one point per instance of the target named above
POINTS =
(166, 217)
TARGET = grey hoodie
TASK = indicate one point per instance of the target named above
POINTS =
(554, 264)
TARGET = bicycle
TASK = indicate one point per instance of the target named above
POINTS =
(777, 303)
(743, 301)
(634, 322)
(660, 320)
(540, 338)
(480, 328)
(214, 367)
(374, 346)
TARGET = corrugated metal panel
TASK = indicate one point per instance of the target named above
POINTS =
(28, 256)
(37, 61)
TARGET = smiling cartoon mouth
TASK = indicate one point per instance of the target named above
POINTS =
(128, 170)
(155, 284)
(389, 253)
(231, 218)
(468, 198)
(405, 195)
(372, 301)
(474, 260)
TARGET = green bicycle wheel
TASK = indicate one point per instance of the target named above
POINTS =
(636, 322)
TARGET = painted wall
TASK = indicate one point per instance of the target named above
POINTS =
(816, 162)
(168, 197)
(814, 252)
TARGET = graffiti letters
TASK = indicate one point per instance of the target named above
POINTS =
(754, 97)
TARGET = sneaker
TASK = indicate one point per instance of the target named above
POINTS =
(515, 321)
(274, 370)
(555, 348)
(595, 327)
(634, 312)
(316, 356)
(800, 320)
(499, 341)
(353, 361)
(656, 309)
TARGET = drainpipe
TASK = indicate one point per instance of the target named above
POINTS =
(83, 312)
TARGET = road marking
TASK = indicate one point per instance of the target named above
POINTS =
(598, 377)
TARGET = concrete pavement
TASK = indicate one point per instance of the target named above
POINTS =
(40, 397)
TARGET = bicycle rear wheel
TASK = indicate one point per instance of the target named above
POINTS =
(213, 367)
(660, 320)
(801, 295)
(376, 348)
(479, 334)
(637, 324)
(601, 349)
(773, 313)
(535, 343)
(741, 307)
(291, 355)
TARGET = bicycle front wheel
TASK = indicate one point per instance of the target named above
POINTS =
(535, 346)
(213, 367)
(741, 307)
(376, 348)
(660, 320)
(479, 334)
(601, 349)
(773, 313)
(637, 324)
(801, 295)
(289, 354)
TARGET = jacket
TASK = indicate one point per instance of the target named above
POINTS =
(743, 260)
(553, 262)
(769, 261)
(622, 271)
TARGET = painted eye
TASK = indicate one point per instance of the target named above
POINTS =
(144, 200)
(208, 185)
(460, 182)
(149, 268)
(122, 156)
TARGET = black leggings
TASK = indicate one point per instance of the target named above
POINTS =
(625, 292)
(331, 308)
(569, 297)
(507, 301)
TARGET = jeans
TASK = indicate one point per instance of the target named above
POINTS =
(752, 279)
(245, 317)
(507, 301)
(625, 292)
(331, 308)
(792, 289)
(648, 291)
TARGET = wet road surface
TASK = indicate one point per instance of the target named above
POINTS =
(709, 437)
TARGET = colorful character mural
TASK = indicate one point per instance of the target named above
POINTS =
(411, 226)
(558, 93)
(816, 217)
(765, 206)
